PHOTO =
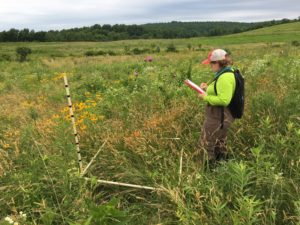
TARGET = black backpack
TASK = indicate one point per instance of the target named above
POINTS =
(236, 105)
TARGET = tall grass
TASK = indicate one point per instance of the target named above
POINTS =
(147, 116)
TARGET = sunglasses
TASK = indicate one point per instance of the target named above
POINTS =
(213, 62)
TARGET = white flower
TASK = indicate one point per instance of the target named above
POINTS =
(9, 220)
(23, 215)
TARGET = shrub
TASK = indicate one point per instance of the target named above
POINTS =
(89, 53)
(22, 53)
(157, 49)
(295, 43)
(137, 51)
(171, 48)
(5, 57)
(110, 53)
(100, 52)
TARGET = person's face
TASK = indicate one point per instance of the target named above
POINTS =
(214, 66)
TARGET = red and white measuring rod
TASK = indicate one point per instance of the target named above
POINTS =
(194, 86)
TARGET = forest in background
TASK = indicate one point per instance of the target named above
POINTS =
(115, 32)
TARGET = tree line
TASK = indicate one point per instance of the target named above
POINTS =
(115, 32)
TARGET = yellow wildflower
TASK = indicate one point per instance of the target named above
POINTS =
(55, 116)
(83, 127)
(59, 76)
(5, 145)
(93, 118)
(81, 106)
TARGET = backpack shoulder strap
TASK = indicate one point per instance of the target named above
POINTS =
(225, 71)
(215, 88)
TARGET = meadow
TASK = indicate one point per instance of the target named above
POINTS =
(147, 116)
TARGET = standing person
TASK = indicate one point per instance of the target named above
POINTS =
(218, 116)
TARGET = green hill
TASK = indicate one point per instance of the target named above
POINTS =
(289, 28)
(277, 33)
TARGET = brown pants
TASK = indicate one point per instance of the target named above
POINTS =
(212, 142)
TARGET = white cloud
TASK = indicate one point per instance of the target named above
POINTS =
(58, 14)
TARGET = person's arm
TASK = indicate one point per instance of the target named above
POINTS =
(225, 89)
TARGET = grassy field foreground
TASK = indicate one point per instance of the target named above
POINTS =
(138, 108)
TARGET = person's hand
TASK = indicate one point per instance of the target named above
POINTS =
(201, 96)
(203, 86)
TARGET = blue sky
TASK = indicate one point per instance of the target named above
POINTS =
(59, 14)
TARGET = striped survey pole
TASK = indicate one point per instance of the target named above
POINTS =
(73, 122)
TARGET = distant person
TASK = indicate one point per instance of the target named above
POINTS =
(225, 102)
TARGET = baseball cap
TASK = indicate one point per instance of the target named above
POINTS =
(215, 55)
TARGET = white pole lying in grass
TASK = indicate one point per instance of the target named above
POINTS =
(73, 123)
(92, 160)
(180, 166)
(170, 138)
(125, 184)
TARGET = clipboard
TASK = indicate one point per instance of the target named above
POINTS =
(194, 86)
